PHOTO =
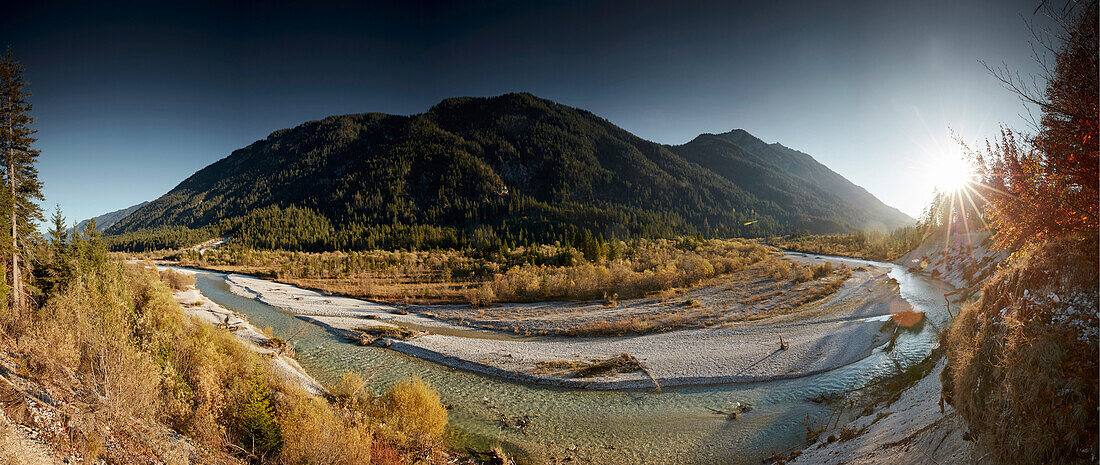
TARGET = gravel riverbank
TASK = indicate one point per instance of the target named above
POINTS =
(837, 330)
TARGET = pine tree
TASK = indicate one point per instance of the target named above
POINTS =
(22, 188)
(58, 233)
(258, 426)
(58, 266)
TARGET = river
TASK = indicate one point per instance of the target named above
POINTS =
(613, 427)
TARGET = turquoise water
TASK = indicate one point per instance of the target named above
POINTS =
(613, 427)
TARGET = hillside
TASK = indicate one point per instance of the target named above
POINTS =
(793, 179)
(482, 171)
(106, 220)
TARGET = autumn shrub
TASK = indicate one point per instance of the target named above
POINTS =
(177, 280)
(649, 267)
(481, 296)
(870, 245)
(413, 414)
(777, 269)
(88, 326)
(821, 270)
(801, 274)
(119, 327)
(316, 432)
(350, 390)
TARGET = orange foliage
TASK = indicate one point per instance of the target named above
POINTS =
(1045, 186)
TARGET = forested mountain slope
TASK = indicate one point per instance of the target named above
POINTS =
(479, 171)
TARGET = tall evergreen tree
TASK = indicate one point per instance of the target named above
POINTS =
(22, 188)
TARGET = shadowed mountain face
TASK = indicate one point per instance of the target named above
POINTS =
(510, 168)
(792, 179)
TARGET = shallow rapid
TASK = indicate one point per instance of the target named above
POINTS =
(638, 426)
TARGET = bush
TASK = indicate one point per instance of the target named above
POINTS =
(822, 270)
(315, 432)
(350, 390)
(1022, 360)
(119, 328)
(415, 413)
(480, 297)
(177, 280)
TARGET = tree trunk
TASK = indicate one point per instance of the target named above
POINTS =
(16, 279)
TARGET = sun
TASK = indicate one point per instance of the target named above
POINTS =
(952, 173)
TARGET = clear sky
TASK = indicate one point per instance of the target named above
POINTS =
(131, 99)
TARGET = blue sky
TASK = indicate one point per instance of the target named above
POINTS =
(131, 99)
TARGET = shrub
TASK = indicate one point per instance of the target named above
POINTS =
(119, 328)
(415, 413)
(315, 432)
(177, 280)
(822, 270)
(481, 296)
(350, 389)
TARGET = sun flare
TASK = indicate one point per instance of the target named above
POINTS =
(951, 174)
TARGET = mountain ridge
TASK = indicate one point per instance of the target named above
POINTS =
(106, 220)
(512, 168)
(806, 167)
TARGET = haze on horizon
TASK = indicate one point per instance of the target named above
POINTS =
(132, 99)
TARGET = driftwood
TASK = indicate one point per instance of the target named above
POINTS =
(735, 412)
(229, 326)
(242, 451)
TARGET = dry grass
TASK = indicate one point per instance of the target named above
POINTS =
(1022, 360)
(639, 324)
(393, 332)
(748, 294)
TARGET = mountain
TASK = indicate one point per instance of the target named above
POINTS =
(792, 179)
(106, 220)
(480, 171)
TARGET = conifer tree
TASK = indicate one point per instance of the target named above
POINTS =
(21, 186)
(58, 268)
(59, 233)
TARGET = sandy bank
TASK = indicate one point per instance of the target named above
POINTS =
(911, 431)
(837, 330)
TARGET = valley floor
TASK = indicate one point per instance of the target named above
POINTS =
(834, 331)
